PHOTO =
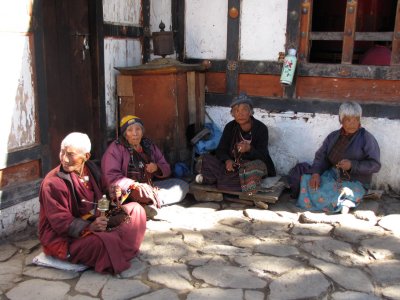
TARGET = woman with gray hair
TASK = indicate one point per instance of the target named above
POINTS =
(343, 166)
(242, 156)
(70, 225)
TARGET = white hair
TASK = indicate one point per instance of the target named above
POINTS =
(79, 141)
(349, 109)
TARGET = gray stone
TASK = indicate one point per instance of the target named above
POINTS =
(28, 245)
(80, 297)
(137, 267)
(215, 294)
(381, 247)
(312, 229)
(163, 294)
(391, 222)
(39, 289)
(349, 295)
(169, 237)
(386, 272)
(49, 273)
(228, 276)
(91, 283)
(163, 254)
(192, 238)
(392, 292)
(225, 250)
(245, 241)
(174, 276)
(9, 272)
(6, 251)
(354, 234)
(348, 278)
(253, 295)
(299, 284)
(270, 264)
(276, 249)
(120, 289)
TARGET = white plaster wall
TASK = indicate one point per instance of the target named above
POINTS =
(206, 29)
(122, 11)
(262, 29)
(295, 137)
(160, 10)
(117, 53)
(18, 111)
(19, 217)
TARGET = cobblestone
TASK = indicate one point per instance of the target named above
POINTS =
(208, 250)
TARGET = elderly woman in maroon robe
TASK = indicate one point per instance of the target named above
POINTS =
(135, 164)
(70, 226)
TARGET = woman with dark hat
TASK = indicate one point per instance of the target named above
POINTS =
(130, 164)
(242, 156)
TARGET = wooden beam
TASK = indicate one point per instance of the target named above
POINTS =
(359, 36)
(122, 31)
(305, 27)
(349, 32)
(146, 30)
(232, 49)
(395, 60)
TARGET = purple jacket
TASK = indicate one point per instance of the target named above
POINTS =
(114, 165)
(363, 152)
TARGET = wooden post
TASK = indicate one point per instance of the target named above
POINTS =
(305, 26)
(395, 60)
(349, 32)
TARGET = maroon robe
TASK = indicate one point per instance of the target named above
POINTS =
(61, 223)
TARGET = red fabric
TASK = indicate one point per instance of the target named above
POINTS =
(108, 251)
(376, 56)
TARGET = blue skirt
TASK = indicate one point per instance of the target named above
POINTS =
(331, 195)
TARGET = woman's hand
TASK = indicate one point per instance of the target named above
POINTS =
(243, 147)
(344, 164)
(315, 181)
(100, 224)
(229, 165)
(151, 168)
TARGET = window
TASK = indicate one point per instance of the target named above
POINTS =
(349, 31)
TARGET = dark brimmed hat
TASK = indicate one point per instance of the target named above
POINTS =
(129, 120)
(242, 99)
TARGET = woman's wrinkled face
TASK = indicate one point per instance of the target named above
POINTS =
(71, 159)
(241, 113)
(350, 124)
(134, 134)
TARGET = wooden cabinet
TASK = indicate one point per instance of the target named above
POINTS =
(167, 97)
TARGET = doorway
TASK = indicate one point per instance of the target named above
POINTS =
(72, 104)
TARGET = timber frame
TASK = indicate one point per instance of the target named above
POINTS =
(314, 88)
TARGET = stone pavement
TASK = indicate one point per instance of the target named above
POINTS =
(224, 250)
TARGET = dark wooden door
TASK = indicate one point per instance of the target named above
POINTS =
(68, 71)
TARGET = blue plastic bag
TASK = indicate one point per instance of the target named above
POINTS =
(211, 143)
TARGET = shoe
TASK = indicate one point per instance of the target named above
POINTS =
(199, 179)
(151, 211)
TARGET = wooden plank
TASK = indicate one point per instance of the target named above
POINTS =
(349, 31)
(215, 82)
(359, 36)
(20, 173)
(201, 99)
(191, 96)
(265, 195)
(124, 85)
(395, 60)
(232, 51)
(261, 85)
(348, 89)
(305, 27)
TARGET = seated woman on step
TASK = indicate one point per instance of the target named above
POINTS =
(342, 167)
(70, 226)
(132, 161)
(242, 156)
